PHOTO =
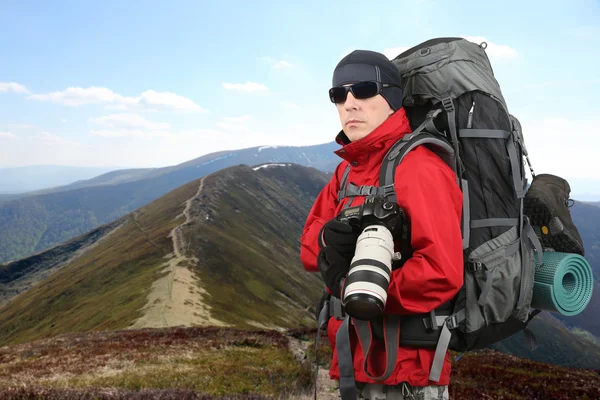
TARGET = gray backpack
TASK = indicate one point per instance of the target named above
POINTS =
(456, 108)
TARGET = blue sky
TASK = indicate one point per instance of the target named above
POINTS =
(150, 84)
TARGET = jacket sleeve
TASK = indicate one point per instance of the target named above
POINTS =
(322, 211)
(427, 191)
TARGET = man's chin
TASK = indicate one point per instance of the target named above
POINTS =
(356, 134)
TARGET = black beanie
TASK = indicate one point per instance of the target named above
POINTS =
(366, 65)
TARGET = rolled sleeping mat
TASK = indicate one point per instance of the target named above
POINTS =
(564, 284)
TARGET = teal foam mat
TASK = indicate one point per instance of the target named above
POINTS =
(564, 285)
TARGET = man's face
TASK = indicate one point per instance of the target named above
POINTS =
(359, 117)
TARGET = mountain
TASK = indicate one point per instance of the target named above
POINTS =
(36, 222)
(222, 250)
(553, 338)
(26, 179)
(219, 251)
(317, 156)
(7, 197)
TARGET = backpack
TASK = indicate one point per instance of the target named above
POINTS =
(456, 109)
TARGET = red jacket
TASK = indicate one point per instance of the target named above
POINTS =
(427, 191)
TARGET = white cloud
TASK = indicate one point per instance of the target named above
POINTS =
(287, 105)
(51, 138)
(282, 64)
(246, 87)
(119, 133)
(233, 127)
(18, 126)
(199, 132)
(7, 135)
(140, 147)
(77, 96)
(275, 63)
(170, 100)
(239, 120)
(12, 87)
(393, 52)
(493, 50)
(130, 121)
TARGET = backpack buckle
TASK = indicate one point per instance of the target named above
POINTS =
(452, 322)
(368, 190)
(475, 266)
(388, 190)
(448, 104)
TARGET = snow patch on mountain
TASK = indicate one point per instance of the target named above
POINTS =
(271, 165)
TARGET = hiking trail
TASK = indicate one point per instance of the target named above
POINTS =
(327, 389)
(178, 298)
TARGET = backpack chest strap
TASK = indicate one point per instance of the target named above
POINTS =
(352, 190)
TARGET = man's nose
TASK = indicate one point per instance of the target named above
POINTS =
(351, 103)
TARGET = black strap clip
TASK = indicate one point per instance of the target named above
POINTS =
(452, 322)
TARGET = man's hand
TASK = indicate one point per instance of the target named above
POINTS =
(339, 236)
(333, 268)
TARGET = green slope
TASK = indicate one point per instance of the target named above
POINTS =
(248, 261)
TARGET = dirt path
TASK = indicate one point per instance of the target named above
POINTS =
(177, 298)
(327, 389)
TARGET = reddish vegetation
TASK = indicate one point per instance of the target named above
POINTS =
(36, 393)
(46, 368)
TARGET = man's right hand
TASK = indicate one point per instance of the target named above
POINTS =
(333, 268)
(339, 236)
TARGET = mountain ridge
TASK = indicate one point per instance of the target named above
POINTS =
(110, 286)
(39, 221)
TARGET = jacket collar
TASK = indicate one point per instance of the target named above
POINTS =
(382, 138)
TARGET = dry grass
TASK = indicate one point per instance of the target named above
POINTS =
(208, 361)
(222, 363)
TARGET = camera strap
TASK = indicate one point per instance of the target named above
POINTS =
(344, 351)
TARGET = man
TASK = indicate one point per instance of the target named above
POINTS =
(368, 96)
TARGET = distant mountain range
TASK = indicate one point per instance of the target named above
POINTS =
(36, 221)
(27, 179)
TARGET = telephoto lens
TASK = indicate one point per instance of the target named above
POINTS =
(365, 290)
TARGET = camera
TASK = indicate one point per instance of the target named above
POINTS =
(365, 290)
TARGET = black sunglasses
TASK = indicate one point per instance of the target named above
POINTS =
(360, 90)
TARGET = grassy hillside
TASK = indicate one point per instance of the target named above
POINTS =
(248, 245)
(36, 223)
(246, 251)
(18, 276)
(104, 288)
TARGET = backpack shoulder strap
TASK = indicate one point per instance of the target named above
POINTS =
(444, 150)
(343, 183)
(400, 149)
